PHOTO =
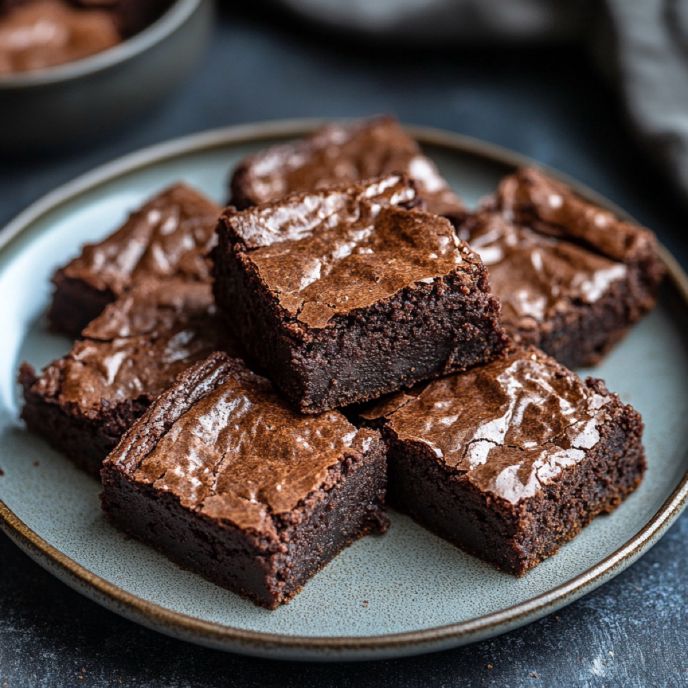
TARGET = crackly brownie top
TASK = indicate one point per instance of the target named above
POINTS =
(531, 198)
(169, 236)
(136, 347)
(534, 275)
(44, 33)
(332, 251)
(340, 153)
(510, 426)
(229, 448)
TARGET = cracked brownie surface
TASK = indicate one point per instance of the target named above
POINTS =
(227, 480)
(83, 402)
(512, 459)
(340, 153)
(168, 237)
(571, 276)
(349, 292)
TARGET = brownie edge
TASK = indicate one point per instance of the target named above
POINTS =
(346, 293)
(260, 515)
(167, 237)
(518, 472)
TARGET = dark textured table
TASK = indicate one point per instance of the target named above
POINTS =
(546, 103)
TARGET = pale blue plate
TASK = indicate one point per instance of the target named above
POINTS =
(407, 592)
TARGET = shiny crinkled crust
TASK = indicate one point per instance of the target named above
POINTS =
(509, 427)
(153, 307)
(169, 236)
(136, 347)
(341, 153)
(571, 276)
(227, 447)
(83, 402)
(331, 252)
(531, 198)
(536, 276)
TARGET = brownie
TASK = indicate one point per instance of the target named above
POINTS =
(168, 237)
(344, 294)
(511, 460)
(340, 153)
(571, 276)
(220, 475)
(45, 33)
(83, 402)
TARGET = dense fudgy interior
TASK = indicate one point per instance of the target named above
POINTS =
(583, 335)
(269, 572)
(517, 537)
(421, 332)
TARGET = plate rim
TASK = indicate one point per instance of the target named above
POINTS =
(278, 645)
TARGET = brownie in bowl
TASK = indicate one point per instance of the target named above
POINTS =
(224, 478)
(510, 460)
(571, 276)
(36, 34)
(83, 402)
(169, 236)
(346, 293)
(339, 153)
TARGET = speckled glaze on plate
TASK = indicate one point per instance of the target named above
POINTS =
(405, 593)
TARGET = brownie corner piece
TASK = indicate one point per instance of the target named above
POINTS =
(167, 237)
(221, 476)
(510, 477)
(83, 402)
(347, 293)
(339, 153)
(572, 276)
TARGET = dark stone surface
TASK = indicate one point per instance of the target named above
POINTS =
(548, 104)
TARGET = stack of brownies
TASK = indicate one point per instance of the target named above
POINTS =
(253, 384)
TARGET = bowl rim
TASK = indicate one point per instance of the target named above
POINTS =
(328, 648)
(175, 16)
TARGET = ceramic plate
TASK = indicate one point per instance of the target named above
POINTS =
(407, 592)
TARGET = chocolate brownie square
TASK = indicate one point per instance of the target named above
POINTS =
(168, 237)
(511, 460)
(40, 34)
(83, 402)
(225, 479)
(340, 153)
(572, 277)
(344, 294)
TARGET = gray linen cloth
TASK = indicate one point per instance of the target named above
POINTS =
(642, 43)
